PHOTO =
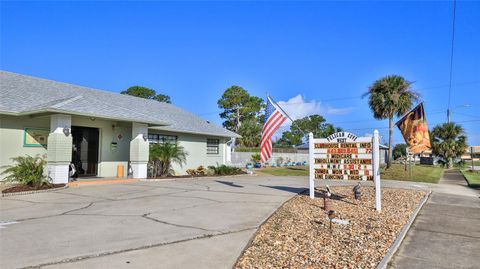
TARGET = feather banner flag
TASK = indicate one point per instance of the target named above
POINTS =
(415, 130)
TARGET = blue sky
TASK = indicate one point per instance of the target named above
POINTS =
(312, 57)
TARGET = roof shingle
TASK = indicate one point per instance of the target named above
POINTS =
(23, 95)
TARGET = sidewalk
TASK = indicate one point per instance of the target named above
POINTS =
(446, 232)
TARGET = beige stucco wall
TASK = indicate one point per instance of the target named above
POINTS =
(196, 147)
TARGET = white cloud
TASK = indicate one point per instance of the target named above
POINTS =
(298, 107)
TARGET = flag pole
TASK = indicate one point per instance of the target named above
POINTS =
(293, 122)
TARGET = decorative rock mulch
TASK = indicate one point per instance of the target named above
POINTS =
(298, 234)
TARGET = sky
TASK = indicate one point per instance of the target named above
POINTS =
(311, 57)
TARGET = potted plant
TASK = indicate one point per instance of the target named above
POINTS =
(255, 158)
(279, 161)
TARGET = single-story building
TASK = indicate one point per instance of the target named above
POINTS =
(97, 130)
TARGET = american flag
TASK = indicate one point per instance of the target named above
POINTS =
(274, 117)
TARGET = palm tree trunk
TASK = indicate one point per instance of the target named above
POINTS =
(390, 133)
(238, 120)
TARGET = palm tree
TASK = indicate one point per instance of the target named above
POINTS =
(448, 141)
(390, 96)
(164, 155)
(251, 133)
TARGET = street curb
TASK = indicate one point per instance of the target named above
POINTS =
(33, 192)
(398, 241)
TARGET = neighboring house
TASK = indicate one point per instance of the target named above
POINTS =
(97, 130)
(471, 152)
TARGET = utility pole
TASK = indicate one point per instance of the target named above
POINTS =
(448, 115)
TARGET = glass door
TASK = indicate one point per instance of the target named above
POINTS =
(85, 150)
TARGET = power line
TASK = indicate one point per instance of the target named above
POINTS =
(357, 96)
(384, 128)
(468, 115)
(435, 111)
(451, 57)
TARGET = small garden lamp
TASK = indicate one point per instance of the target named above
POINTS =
(331, 215)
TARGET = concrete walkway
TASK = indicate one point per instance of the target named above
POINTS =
(446, 233)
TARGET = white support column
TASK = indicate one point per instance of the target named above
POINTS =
(228, 151)
(376, 171)
(311, 165)
(139, 150)
(59, 151)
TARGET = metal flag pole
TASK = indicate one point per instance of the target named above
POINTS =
(285, 113)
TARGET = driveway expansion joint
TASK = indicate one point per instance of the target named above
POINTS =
(453, 234)
(57, 215)
(92, 256)
(146, 216)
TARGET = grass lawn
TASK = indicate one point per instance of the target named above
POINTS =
(286, 171)
(420, 173)
(473, 178)
(469, 163)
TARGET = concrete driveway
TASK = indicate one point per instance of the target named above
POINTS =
(185, 223)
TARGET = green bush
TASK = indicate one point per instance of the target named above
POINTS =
(255, 158)
(242, 149)
(223, 170)
(27, 170)
(210, 172)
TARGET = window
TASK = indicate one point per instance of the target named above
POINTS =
(213, 146)
(159, 138)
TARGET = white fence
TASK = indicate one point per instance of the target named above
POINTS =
(240, 159)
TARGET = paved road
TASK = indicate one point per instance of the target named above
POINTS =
(446, 233)
(171, 224)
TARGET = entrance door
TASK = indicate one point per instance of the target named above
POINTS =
(85, 150)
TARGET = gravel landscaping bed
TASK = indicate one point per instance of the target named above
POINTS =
(298, 234)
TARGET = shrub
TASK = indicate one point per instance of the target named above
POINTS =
(191, 172)
(226, 170)
(201, 171)
(255, 158)
(27, 170)
(210, 172)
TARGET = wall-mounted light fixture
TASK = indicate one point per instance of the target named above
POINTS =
(145, 137)
(66, 131)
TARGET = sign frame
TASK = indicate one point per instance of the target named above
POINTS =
(346, 137)
(29, 137)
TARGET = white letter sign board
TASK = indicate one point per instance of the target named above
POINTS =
(343, 156)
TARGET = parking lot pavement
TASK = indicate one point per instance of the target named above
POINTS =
(187, 223)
